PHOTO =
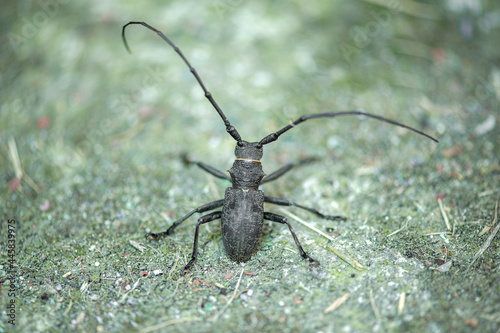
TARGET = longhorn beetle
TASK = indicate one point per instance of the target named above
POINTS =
(242, 215)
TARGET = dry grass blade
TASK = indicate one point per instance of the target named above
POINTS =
(374, 306)
(124, 296)
(489, 239)
(348, 259)
(445, 217)
(298, 219)
(137, 246)
(69, 308)
(216, 316)
(401, 303)
(14, 158)
(410, 7)
(167, 323)
(337, 303)
(439, 233)
(399, 230)
(16, 165)
(31, 183)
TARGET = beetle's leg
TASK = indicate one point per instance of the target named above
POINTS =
(285, 202)
(201, 209)
(207, 168)
(284, 169)
(282, 219)
(202, 220)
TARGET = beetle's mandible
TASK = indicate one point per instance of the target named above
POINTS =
(242, 215)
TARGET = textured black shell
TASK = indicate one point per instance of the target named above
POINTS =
(241, 222)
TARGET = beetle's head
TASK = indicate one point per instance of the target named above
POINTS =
(248, 150)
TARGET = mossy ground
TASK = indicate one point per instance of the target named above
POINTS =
(99, 134)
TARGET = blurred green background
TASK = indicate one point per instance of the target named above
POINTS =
(91, 139)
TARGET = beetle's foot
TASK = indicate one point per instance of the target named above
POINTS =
(312, 261)
(188, 267)
(185, 159)
(156, 236)
(334, 217)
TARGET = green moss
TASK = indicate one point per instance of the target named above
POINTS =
(109, 164)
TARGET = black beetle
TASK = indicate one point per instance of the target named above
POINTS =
(242, 215)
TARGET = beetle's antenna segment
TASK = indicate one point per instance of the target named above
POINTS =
(229, 128)
(274, 136)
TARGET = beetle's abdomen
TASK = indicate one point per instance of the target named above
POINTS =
(242, 220)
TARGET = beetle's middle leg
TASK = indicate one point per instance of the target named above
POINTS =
(202, 220)
(201, 209)
(281, 219)
(285, 202)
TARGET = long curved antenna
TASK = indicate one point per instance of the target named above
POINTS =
(229, 128)
(274, 136)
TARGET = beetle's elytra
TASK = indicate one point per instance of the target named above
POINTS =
(242, 215)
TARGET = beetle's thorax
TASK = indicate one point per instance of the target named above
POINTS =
(247, 170)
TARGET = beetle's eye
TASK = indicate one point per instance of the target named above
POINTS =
(240, 144)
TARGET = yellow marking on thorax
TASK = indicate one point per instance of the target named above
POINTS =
(246, 159)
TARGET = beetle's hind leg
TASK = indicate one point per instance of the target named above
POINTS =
(285, 202)
(201, 209)
(281, 219)
(202, 220)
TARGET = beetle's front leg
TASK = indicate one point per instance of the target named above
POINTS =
(202, 220)
(284, 169)
(211, 170)
(281, 219)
